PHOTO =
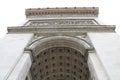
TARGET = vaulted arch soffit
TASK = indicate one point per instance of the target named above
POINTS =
(41, 44)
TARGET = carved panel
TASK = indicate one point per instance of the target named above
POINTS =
(62, 22)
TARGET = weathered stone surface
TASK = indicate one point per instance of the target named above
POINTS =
(55, 12)
(62, 29)
(62, 22)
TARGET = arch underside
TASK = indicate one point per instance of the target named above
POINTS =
(59, 58)
(60, 63)
(41, 44)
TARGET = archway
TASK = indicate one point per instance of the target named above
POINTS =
(59, 58)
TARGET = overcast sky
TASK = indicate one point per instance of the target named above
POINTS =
(12, 12)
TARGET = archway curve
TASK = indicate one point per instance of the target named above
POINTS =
(72, 65)
(41, 44)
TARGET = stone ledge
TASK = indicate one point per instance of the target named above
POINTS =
(62, 29)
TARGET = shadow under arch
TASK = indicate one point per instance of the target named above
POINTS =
(41, 44)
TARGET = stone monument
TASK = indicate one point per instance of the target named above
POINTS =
(68, 43)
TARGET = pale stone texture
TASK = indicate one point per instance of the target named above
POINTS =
(96, 69)
(11, 49)
(107, 46)
(22, 68)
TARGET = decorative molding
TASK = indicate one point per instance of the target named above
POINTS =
(62, 29)
(43, 43)
(75, 11)
(61, 22)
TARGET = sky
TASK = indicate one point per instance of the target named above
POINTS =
(12, 12)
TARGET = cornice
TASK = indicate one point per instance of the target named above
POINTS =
(74, 11)
(62, 29)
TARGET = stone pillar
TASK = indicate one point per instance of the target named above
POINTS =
(97, 71)
(11, 53)
(21, 69)
(29, 76)
(107, 46)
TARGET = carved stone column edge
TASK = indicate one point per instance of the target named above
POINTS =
(97, 71)
(21, 69)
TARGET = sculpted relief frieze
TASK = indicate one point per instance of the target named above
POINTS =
(62, 22)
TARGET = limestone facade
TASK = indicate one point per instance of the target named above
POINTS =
(60, 44)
